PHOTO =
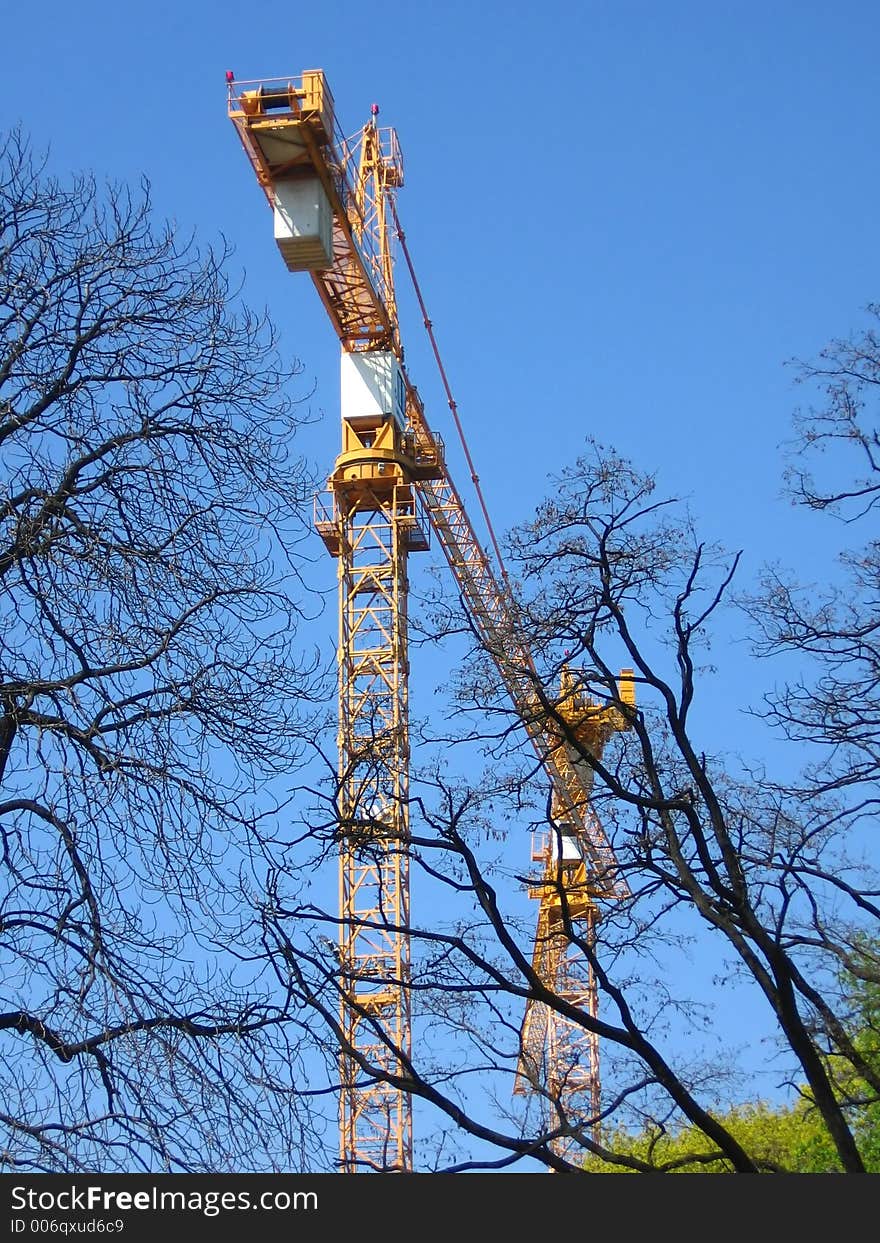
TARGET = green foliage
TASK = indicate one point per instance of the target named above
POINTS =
(792, 1139)
(863, 995)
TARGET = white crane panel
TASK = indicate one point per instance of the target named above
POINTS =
(372, 387)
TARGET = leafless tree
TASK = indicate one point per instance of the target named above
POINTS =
(830, 708)
(775, 877)
(151, 691)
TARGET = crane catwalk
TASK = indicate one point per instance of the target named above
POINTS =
(333, 205)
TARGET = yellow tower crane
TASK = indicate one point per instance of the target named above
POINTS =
(333, 204)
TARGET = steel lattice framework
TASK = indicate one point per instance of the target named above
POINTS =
(374, 532)
(371, 522)
(559, 1060)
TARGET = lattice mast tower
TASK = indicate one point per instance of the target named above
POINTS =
(333, 205)
(371, 525)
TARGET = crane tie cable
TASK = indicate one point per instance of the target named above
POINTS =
(453, 406)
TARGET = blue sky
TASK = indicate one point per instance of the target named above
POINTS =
(625, 216)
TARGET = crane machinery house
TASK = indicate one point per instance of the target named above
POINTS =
(372, 389)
